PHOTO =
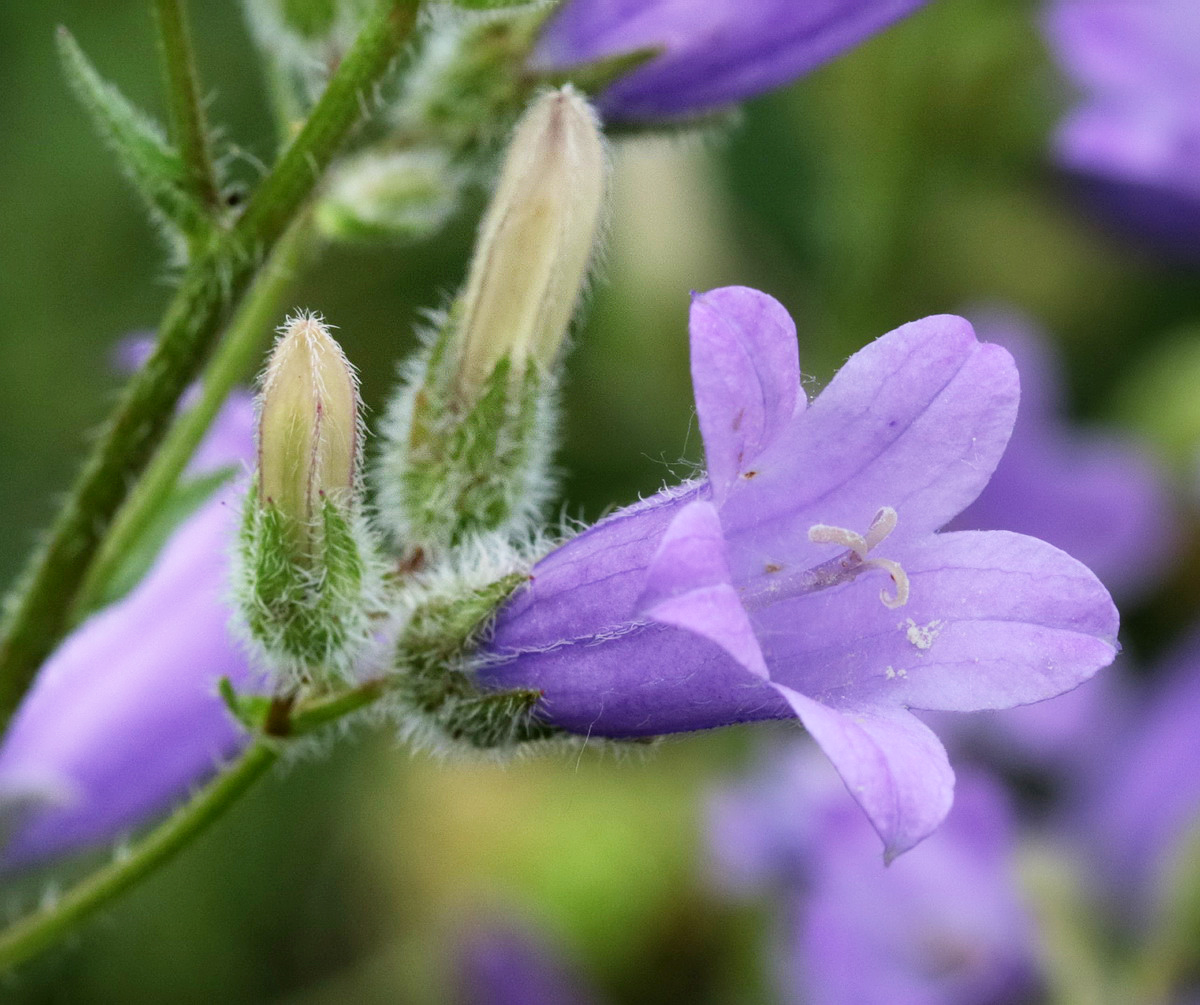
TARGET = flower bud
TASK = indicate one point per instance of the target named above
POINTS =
(535, 242)
(308, 423)
(469, 435)
(308, 576)
(401, 196)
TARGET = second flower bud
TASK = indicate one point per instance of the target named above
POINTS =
(307, 574)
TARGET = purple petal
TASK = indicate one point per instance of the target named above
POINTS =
(1142, 796)
(125, 717)
(993, 620)
(746, 374)
(916, 421)
(893, 765)
(688, 586)
(716, 53)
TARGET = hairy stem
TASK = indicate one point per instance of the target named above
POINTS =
(234, 359)
(37, 612)
(31, 934)
(188, 128)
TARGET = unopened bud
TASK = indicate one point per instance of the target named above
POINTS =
(535, 242)
(400, 196)
(470, 434)
(308, 424)
(308, 576)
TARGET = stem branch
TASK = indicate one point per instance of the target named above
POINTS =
(37, 613)
(188, 128)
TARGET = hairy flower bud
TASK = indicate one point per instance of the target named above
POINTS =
(307, 575)
(400, 196)
(308, 422)
(470, 432)
(535, 242)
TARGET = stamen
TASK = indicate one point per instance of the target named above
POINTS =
(860, 545)
(822, 533)
(883, 524)
(899, 577)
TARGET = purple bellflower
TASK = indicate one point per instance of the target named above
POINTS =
(1142, 798)
(125, 716)
(1135, 138)
(714, 53)
(943, 926)
(804, 576)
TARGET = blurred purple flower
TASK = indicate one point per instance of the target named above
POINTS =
(125, 716)
(503, 964)
(1098, 496)
(756, 594)
(1143, 797)
(715, 53)
(944, 925)
(1135, 138)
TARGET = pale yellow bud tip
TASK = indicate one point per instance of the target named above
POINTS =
(308, 420)
(536, 239)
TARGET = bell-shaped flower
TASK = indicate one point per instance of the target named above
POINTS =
(805, 576)
(714, 53)
(125, 716)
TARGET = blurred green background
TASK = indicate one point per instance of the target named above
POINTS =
(907, 178)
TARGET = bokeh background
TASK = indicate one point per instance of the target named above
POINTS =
(910, 177)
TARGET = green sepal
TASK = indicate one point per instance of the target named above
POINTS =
(469, 474)
(251, 710)
(594, 77)
(147, 159)
(435, 684)
(306, 594)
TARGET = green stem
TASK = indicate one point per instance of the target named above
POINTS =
(28, 936)
(233, 360)
(188, 128)
(314, 715)
(37, 613)
(43, 928)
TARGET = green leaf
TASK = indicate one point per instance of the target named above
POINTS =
(187, 497)
(153, 165)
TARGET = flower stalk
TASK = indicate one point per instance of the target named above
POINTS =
(189, 130)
